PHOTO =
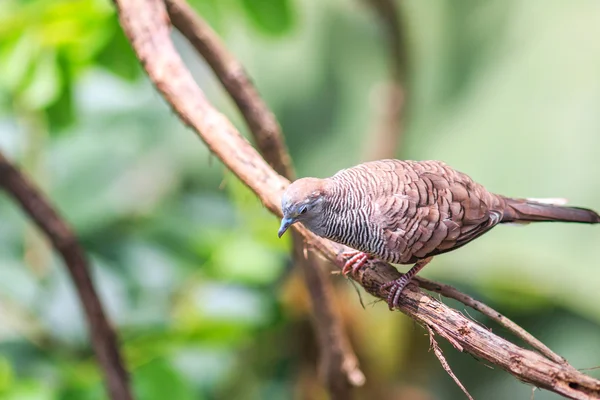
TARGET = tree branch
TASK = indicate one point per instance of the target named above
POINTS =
(231, 73)
(339, 364)
(104, 340)
(452, 293)
(146, 25)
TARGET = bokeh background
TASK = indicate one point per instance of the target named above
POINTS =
(206, 299)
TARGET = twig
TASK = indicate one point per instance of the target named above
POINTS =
(104, 340)
(440, 356)
(338, 361)
(386, 137)
(453, 293)
(146, 25)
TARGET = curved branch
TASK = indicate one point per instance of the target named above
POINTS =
(231, 73)
(104, 340)
(146, 25)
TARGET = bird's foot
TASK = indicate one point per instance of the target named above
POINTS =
(395, 288)
(355, 261)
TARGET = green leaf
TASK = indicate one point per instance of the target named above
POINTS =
(61, 112)
(44, 86)
(118, 57)
(247, 260)
(157, 380)
(6, 375)
(16, 61)
(29, 390)
(273, 17)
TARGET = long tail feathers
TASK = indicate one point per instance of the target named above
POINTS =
(528, 210)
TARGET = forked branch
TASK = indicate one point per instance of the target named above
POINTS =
(339, 364)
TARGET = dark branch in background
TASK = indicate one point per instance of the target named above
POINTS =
(339, 364)
(104, 340)
(386, 136)
(145, 23)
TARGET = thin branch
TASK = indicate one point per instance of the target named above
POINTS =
(104, 340)
(453, 293)
(385, 139)
(146, 25)
(338, 361)
(440, 356)
(231, 73)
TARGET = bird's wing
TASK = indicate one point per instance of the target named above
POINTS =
(432, 209)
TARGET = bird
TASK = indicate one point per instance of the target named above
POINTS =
(407, 212)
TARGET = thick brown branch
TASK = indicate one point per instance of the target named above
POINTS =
(145, 23)
(338, 361)
(104, 340)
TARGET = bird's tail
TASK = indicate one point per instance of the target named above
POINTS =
(531, 210)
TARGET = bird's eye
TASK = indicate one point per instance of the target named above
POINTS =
(303, 210)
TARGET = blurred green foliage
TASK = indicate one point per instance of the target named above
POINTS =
(187, 260)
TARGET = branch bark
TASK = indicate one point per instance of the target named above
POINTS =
(339, 364)
(145, 23)
(452, 293)
(104, 340)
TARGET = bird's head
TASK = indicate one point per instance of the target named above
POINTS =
(302, 201)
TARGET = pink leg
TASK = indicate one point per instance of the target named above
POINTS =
(356, 260)
(397, 286)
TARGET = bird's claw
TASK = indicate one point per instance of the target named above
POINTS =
(395, 288)
(355, 261)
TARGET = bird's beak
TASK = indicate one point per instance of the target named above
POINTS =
(285, 224)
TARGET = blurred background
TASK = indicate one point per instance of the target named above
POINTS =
(205, 297)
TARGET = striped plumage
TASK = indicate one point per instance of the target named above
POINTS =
(405, 211)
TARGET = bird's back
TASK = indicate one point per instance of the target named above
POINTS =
(402, 211)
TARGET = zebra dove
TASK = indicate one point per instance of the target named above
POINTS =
(406, 212)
